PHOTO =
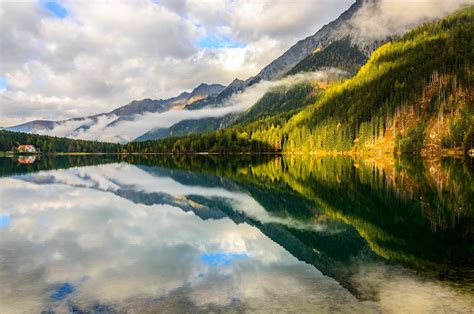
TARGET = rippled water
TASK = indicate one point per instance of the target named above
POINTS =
(138, 234)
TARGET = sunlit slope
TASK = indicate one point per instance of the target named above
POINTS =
(427, 74)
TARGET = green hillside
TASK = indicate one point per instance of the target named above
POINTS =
(411, 96)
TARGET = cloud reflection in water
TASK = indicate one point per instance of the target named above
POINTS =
(78, 223)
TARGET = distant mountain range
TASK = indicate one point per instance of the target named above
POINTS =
(135, 107)
(334, 45)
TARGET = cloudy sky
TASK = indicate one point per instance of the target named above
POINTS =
(62, 59)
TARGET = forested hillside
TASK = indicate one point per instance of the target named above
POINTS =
(413, 95)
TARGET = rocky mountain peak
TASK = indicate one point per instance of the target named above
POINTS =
(235, 86)
(208, 89)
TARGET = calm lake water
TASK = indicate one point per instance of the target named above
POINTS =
(271, 234)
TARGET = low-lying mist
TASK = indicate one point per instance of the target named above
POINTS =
(129, 129)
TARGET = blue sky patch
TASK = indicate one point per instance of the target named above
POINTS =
(214, 41)
(221, 258)
(3, 83)
(63, 291)
(5, 221)
(55, 8)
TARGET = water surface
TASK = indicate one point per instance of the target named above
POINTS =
(167, 234)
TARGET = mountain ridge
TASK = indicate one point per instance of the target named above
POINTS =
(134, 107)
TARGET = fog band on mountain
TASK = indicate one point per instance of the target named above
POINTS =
(105, 129)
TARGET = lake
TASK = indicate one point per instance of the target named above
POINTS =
(107, 234)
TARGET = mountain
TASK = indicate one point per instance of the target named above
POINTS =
(332, 46)
(234, 87)
(414, 95)
(189, 127)
(339, 29)
(281, 99)
(126, 112)
(218, 99)
(33, 126)
(148, 105)
(195, 126)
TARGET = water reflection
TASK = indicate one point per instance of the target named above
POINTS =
(26, 160)
(274, 234)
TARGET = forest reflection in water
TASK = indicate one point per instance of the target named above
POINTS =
(250, 232)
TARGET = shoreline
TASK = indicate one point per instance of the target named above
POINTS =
(356, 154)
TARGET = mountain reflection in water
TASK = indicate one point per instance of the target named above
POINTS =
(255, 233)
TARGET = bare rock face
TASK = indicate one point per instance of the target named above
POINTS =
(217, 100)
(150, 105)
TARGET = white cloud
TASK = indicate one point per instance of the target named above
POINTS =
(379, 19)
(251, 21)
(107, 53)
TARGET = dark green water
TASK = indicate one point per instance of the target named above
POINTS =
(167, 234)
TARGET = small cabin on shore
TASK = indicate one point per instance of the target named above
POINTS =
(26, 149)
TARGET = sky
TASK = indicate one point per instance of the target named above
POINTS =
(67, 58)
